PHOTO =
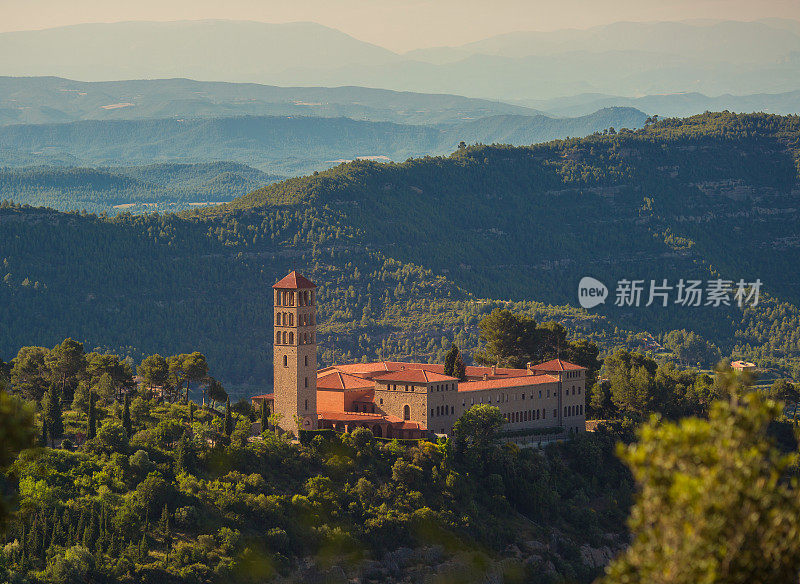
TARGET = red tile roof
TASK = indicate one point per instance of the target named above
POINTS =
(414, 376)
(506, 382)
(293, 281)
(556, 365)
(264, 396)
(376, 368)
(336, 380)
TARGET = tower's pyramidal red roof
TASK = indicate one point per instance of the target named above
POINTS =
(293, 281)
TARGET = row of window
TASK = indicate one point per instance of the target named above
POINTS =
(531, 415)
(287, 319)
(287, 338)
(287, 298)
(406, 387)
(572, 374)
(527, 416)
(443, 411)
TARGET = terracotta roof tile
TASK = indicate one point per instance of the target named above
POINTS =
(342, 381)
(293, 281)
(414, 376)
(508, 382)
(556, 365)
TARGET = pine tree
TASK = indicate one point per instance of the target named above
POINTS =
(228, 418)
(92, 432)
(126, 415)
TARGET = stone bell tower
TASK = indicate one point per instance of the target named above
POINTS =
(295, 353)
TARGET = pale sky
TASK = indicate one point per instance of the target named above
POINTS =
(399, 25)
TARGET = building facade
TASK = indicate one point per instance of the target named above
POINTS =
(407, 400)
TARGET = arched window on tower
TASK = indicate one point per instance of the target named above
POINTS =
(285, 337)
(291, 338)
(278, 338)
(285, 360)
(406, 412)
(306, 405)
(278, 295)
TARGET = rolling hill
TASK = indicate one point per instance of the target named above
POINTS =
(411, 255)
(153, 187)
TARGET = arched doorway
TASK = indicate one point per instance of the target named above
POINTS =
(376, 431)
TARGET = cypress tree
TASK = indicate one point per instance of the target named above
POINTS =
(182, 455)
(163, 525)
(92, 416)
(24, 540)
(459, 368)
(53, 414)
(55, 533)
(228, 418)
(143, 548)
(167, 534)
(450, 361)
(33, 539)
(191, 413)
(264, 416)
(44, 431)
(126, 415)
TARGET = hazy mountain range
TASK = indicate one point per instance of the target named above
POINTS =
(36, 100)
(710, 57)
(672, 105)
(284, 145)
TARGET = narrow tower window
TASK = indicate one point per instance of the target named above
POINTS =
(285, 361)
